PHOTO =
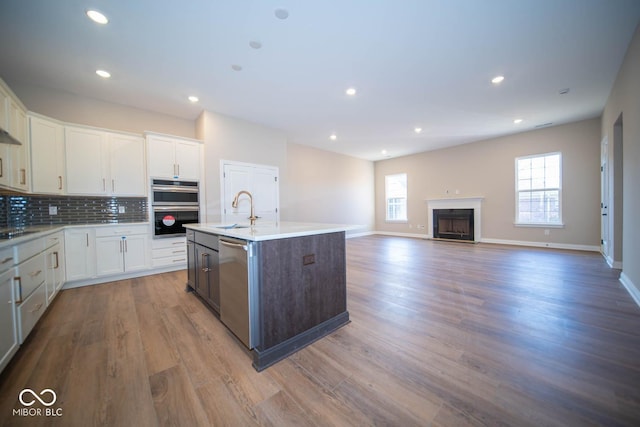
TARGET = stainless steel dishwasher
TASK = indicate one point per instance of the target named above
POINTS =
(238, 289)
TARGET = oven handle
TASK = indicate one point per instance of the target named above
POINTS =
(176, 208)
(172, 189)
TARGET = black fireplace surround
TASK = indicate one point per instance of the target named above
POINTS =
(453, 224)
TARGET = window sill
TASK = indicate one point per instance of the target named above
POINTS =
(539, 225)
(396, 221)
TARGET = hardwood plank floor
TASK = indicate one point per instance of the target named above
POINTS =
(441, 334)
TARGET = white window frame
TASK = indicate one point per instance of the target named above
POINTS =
(545, 224)
(387, 178)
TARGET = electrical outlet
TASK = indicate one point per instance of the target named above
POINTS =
(121, 209)
(421, 226)
(53, 210)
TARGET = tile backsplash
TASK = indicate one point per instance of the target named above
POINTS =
(21, 210)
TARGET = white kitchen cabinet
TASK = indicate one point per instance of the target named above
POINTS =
(173, 158)
(47, 155)
(121, 249)
(169, 252)
(104, 163)
(127, 165)
(80, 253)
(14, 161)
(29, 285)
(86, 155)
(54, 257)
(8, 327)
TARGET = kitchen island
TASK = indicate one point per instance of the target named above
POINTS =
(278, 287)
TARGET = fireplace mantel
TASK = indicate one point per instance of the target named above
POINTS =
(474, 203)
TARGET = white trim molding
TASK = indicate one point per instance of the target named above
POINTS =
(550, 245)
(474, 203)
(630, 287)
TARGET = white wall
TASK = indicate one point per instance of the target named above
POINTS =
(624, 101)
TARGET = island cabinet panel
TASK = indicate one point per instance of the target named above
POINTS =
(302, 289)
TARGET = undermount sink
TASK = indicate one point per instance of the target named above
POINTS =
(232, 226)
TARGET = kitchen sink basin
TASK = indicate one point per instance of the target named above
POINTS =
(232, 226)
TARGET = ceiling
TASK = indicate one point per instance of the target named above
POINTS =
(414, 63)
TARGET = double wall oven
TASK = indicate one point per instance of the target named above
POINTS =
(173, 203)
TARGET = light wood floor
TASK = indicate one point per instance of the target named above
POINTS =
(442, 334)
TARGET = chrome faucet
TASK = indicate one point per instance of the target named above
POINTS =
(234, 204)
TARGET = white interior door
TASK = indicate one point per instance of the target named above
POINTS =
(604, 199)
(259, 180)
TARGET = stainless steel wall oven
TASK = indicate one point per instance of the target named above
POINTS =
(173, 203)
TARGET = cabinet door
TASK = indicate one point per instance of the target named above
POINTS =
(127, 166)
(19, 153)
(207, 276)
(80, 254)
(109, 255)
(192, 276)
(162, 157)
(86, 154)
(5, 175)
(47, 156)
(188, 160)
(8, 331)
(136, 250)
(55, 271)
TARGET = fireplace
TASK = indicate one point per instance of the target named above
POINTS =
(453, 224)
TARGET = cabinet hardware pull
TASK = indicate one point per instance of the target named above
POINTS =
(59, 182)
(120, 246)
(178, 169)
(126, 247)
(177, 252)
(104, 184)
(36, 308)
(179, 260)
(35, 273)
(87, 234)
(178, 243)
(55, 255)
(23, 176)
(1, 168)
(19, 280)
(113, 185)
(6, 260)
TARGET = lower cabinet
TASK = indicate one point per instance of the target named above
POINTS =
(80, 253)
(8, 329)
(169, 252)
(54, 258)
(203, 274)
(121, 249)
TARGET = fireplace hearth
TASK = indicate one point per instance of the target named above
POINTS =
(453, 224)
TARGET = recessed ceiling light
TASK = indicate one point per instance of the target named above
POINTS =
(384, 152)
(193, 98)
(497, 80)
(417, 130)
(236, 67)
(333, 137)
(516, 121)
(97, 17)
(104, 74)
(281, 13)
(563, 91)
(351, 91)
(255, 44)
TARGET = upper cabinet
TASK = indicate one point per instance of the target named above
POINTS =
(104, 163)
(14, 158)
(173, 158)
(47, 155)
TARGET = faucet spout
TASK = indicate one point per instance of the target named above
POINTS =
(234, 204)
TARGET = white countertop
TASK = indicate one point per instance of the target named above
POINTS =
(270, 231)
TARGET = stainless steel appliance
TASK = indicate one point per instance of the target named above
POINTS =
(173, 204)
(238, 289)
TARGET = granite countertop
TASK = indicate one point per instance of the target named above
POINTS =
(269, 230)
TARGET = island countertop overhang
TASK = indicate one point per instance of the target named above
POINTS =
(270, 231)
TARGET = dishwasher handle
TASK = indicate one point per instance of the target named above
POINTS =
(233, 245)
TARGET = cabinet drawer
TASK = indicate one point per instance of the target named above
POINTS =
(208, 240)
(122, 230)
(32, 274)
(53, 239)
(30, 311)
(170, 252)
(170, 261)
(28, 249)
(191, 235)
(6, 259)
(170, 242)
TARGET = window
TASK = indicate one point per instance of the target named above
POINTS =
(395, 190)
(538, 189)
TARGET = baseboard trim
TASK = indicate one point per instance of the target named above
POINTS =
(588, 248)
(630, 287)
(390, 233)
(613, 264)
(104, 279)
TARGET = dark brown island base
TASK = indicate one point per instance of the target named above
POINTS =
(277, 287)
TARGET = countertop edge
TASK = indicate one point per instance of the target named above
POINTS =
(282, 230)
